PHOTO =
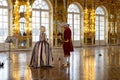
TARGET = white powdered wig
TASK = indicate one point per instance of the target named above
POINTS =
(42, 29)
(64, 24)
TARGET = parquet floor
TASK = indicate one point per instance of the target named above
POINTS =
(86, 63)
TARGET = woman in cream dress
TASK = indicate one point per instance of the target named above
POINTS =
(41, 54)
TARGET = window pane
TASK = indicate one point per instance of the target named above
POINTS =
(77, 17)
(1, 39)
(5, 12)
(97, 38)
(69, 16)
(102, 24)
(102, 28)
(37, 26)
(1, 32)
(102, 33)
(100, 10)
(1, 25)
(37, 14)
(33, 13)
(4, 3)
(33, 26)
(1, 18)
(43, 20)
(33, 19)
(96, 33)
(1, 10)
(102, 19)
(37, 38)
(97, 18)
(40, 4)
(101, 37)
(96, 28)
(5, 32)
(73, 8)
(70, 21)
(37, 19)
(76, 21)
(5, 25)
(33, 38)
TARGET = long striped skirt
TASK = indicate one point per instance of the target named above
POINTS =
(41, 55)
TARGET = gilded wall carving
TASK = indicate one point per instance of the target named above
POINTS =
(60, 15)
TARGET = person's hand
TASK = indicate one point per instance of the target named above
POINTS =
(66, 40)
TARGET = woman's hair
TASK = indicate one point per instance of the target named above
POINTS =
(42, 29)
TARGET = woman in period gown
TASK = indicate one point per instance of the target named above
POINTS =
(41, 54)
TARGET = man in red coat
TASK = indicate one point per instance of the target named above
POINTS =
(67, 45)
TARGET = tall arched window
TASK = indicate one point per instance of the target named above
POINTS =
(100, 25)
(74, 21)
(40, 17)
(3, 20)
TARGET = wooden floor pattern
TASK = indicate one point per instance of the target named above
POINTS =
(86, 63)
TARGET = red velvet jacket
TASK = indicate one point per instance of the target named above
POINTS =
(67, 46)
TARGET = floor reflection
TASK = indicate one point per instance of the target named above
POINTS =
(85, 64)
